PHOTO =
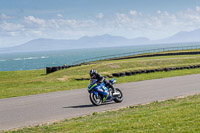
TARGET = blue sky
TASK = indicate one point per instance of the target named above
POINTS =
(24, 20)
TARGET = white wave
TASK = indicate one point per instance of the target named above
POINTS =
(43, 57)
(17, 59)
(27, 58)
(31, 58)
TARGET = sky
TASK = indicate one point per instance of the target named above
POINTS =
(25, 20)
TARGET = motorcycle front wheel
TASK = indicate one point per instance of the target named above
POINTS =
(96, 100)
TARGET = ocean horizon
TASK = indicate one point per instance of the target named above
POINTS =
(42, 59)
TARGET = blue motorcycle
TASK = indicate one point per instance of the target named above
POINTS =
(99, 93)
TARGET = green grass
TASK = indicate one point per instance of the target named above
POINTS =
(21, 83)
(175, 115)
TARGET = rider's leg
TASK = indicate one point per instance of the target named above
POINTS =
(103, 93)
(107, 83)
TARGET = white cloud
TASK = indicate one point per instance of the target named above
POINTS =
(133, 12)
(32, 27)
(166, 13)
(140, 14)
(14, 33)
(35, 33)
(4, 16)
(158, 12)
(61, 24)
(33, 20)
(5, 26)
(100, 15)
(130, 24)
(160, 25)
(123, 18)
(60, 15)
(190, 17)
(70, 22)
(197, 8)
(54, 24)
(58, 24)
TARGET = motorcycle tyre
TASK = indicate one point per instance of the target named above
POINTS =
(92, 95)
(117, 99)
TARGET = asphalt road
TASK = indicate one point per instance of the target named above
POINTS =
(35, 109)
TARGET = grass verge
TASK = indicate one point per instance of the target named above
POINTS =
(175, 115)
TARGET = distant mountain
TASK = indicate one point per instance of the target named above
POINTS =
(84, 42)
(183, 36)
(100, 41)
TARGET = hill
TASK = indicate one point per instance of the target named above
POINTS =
(105, 40)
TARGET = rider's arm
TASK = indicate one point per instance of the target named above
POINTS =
(100, 78)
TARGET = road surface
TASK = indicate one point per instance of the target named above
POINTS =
(36, 109)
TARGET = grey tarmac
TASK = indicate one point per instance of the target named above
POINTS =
(23, 111)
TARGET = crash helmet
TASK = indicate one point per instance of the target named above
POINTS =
(92, 72)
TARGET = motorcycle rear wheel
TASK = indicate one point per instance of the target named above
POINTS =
(95, 100)
(119, 98)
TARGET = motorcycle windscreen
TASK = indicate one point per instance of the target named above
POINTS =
(92, 81)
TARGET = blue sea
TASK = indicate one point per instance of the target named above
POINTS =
(40, 60)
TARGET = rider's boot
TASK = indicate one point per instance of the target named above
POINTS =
(114, 93)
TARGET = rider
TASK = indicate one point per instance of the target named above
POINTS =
(101, 79)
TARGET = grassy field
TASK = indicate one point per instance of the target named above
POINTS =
(175, 115)
(21, 83)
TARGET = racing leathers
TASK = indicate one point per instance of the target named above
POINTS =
(101, 79)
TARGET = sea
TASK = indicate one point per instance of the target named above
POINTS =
(40, 60)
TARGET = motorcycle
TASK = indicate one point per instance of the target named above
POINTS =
(99, 93)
